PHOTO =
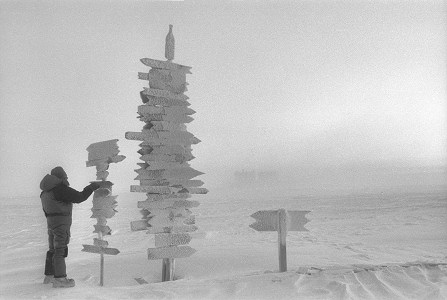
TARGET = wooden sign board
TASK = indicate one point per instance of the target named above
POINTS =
(165, 94)
(267, 220)
(178, 173)
(172, 229)
(164, 165)
(167, 203)
(104, 162)
(152, 100)
(159, 64)
(171, 239)
(99, 203)
(170, 252)
(100, 250)
(107, 212)
(100, 243)
(180, 158)
(102, 193)
(167, 126)
(104, 230)
(158, 197)
(148, 118)
(170, 110)
(154, 189)
(169, 80)
(171, 182)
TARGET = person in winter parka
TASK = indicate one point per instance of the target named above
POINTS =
(57, 202)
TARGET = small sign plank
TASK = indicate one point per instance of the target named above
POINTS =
(158, 197)
(100, 250)
(100, 243)
(163, 165)
(174, 110)
(178, 173)
(154, 189)
(171, 239)
(170, 252)
(139, 225)
(164, 94)
(172, 182)
(148, 118)
(105, 161)
(106, 202)
(167, 203)
(267, 220)
(159, 64)
(172, 229)
(180, 158)
(152, 100)
(167, 126)
(107, 213)
(105, 230)
(296, 220)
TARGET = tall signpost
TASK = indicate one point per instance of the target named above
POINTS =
(165, 174)
(101, 154)
(281, 221)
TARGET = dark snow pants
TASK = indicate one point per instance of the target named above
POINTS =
(58, 239)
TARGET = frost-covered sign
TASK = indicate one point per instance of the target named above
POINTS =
(165, 174)
(101, 154)
(281, 221)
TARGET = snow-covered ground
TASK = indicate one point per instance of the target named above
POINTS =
(384, 245)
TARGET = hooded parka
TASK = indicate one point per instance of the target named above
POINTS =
(57, 203)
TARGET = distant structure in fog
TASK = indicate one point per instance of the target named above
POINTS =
(254, 177)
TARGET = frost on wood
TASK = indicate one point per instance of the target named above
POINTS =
(165, 174)
(100, 155)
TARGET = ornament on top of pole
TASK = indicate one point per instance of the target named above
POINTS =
(170, 45)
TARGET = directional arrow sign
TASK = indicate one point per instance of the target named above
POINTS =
(167, 126)
(167, 203)
(152, 100)
(105, 230)
(172, 229)
(171, 239)
(170, 252)
(165, 94)
(99, 203)
(179, 173)
(107, 212)
(154, 189)
(100, 250)
(165, 65)
(267, 220)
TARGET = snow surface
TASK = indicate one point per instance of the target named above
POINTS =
(383, 245)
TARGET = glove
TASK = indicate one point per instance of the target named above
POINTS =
(94, 186)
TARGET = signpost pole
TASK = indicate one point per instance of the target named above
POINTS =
(282, 233)
(101, 268)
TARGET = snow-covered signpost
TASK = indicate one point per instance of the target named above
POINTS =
(281, 221)
(165, 174)
(101, 154)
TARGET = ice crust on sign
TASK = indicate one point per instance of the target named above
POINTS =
(165, 174)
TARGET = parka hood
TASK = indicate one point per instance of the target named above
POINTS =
(49, 182)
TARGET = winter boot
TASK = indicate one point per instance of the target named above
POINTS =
(63, 282)
(48, 279)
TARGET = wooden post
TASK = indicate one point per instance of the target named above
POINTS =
(101, 268)
(168, 267)
(282, 233)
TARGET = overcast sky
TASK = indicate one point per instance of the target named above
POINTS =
(275, 86)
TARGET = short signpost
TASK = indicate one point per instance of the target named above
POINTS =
(101, 154)
(281, 221)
